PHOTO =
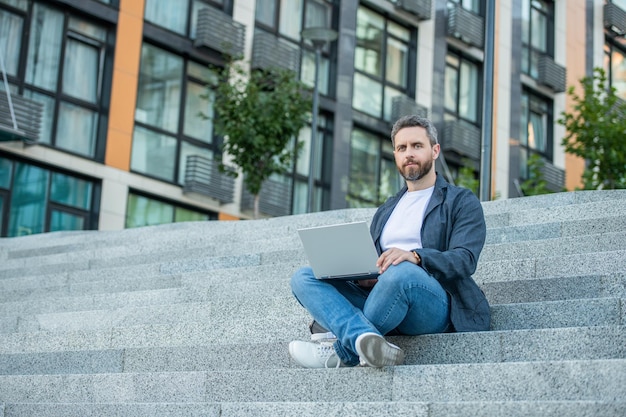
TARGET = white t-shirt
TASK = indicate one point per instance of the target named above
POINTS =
(403, 229)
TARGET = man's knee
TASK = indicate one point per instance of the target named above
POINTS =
(300, 277)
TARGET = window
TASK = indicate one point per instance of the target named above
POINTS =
(537, 34)
(471, 5)
(462, 88)
(177, 16)
(373, 173)
(286, 19)
(322, 171)
(536, 129)
(169, 125)
(34, 199)
(615, 67)
(146, 211)
(61, 61)
(383, 61)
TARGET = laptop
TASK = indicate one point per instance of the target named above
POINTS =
(341, 251)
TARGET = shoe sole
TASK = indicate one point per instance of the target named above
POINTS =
(376, 352)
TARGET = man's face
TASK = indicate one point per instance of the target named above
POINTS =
(413, 153)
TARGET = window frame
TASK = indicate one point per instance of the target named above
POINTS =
(382, 80)
(90, 215)
(529, 66)
(214, 146)
(525, 148)
(455, 114)
(210, 214)
(58, 97)
(358, 201)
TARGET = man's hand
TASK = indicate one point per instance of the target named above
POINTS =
(393, 256)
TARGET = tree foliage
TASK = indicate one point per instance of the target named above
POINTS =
(258, 113)
(535, 184)
(596, 129)
(466, 177)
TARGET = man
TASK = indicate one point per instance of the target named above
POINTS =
(429, 237)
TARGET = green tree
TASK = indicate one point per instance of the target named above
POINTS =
(535, 184)
(596, 129)
(258, 113)
(466, 178)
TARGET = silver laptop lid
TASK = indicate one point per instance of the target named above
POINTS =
(341, 251)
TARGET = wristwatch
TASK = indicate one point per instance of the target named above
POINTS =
(418, 260)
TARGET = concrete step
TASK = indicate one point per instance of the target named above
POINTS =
(237, 319)
(314, 409)
(587, 244)
(585, 380)
(30, 289)
(85, 302)
(196, 235)
(600, 263)
(583, 343)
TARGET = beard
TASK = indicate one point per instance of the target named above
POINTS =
(416, 172)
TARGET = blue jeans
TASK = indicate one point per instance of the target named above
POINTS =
(406, 299)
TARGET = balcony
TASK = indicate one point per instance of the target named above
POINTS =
(275, 198)
(202, 176)
(462, 138)
(20, 118)
(554, 177)
(614, 19)
(218, 31)
(269, 51)
(420, 8)
(404, 105)
(550, 73)
(466, 26)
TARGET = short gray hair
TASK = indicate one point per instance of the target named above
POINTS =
(413, 120)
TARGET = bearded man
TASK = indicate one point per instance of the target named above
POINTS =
(429, 237)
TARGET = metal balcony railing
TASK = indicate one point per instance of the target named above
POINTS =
(202, 176)
(420, 8)
(20, 118)
(554, 177)
(614, 19)
(274, 198)
(269, 51)
(551, 74)
(466, 26)
(461, 137)
(218, 31)
(404, 105)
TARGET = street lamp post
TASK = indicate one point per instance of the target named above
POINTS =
(319, 36)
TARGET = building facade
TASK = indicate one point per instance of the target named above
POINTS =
(105, 130)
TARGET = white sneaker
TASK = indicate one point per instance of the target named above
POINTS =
(376, 352)
(314, 355)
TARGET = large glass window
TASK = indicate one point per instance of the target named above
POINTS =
(536, 129)
(145, 211)
(383, 61)
(537, 33)
(462, 86)
(286, 19)
(35, 199)
(62, 61)
(173, 115)
(615, 66)
(373, 173)
(321, 171)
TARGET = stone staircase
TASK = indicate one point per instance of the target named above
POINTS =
(194, 319)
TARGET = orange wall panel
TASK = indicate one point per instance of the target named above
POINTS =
(575, 62)
(124, 86)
